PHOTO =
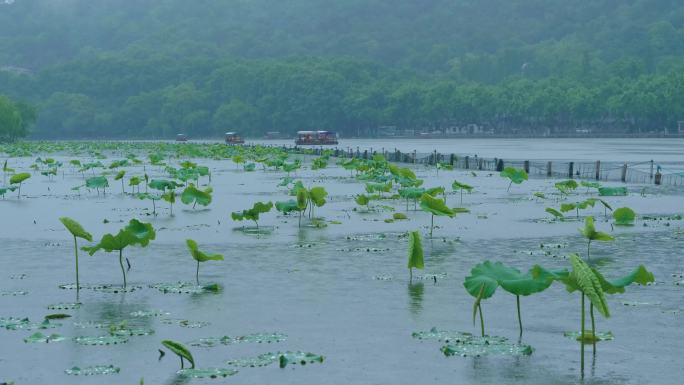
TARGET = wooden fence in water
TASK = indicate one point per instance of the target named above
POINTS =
(648, 172)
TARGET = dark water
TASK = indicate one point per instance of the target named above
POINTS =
(317, 286)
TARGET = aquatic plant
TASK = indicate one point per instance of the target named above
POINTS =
(193, 195)
(136, 233)
(486, 277)
(589, 232)
(458, 186)
(566, 187)
(19, 179)
(120, 176)
(515, 175)
(252, 214)
(556, 214)
(624, 216)
(434, 206)
(181, 351)
(77, 231)
(415, 253)
(6, 170)
(134, 181)
(200, 256)
(97, 183)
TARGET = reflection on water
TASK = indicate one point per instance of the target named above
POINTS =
(415, 292)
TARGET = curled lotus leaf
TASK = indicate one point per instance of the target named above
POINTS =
(435, 206)
(589, 231)
(19, 178)
(180, 350)
(624, 216)
(516, 175)
(76, 229)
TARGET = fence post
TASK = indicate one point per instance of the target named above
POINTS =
(451, 159)
(526, 166)
(571, 167)
(658, 177)
(623, 177)
(467, 160)
(651, 169)
(598, 170)
(365, 154)
(549, 171)
(500, 165)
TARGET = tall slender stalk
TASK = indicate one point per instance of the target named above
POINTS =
(517, 303)
(122, 267)
(593, 328)
(432, 223)
(197, 273)
(479, 307)
(582, 340)
(78, 286)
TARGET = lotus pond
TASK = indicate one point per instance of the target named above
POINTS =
(252, 265)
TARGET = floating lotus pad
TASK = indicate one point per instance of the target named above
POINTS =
(92, 370)
(132, 332)
(249, 338)
(12, 293)
(185, 288)
(92, 325)
(100, 340)
(40, 337)
(383, 277)
(485, 346)
(301, 358)
(149, 313)
(102, 288)
(185, 323)
(255, 362)
(207, 373)
(12, 323)
(588, 338)
(465, 344)
(65, 306)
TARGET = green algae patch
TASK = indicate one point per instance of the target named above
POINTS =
(93, 370)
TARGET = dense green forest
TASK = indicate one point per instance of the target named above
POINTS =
(153, 68)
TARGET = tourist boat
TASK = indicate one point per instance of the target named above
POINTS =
(181, 138)
(234, 138)
(315, 138)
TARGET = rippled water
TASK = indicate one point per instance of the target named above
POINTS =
(320, 287)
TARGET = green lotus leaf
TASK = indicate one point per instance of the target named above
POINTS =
(488, 275)
(19, 178)
(143, 232)
(612, 191)
(554, 212)
(411, 192)
(415, 251)
(200, 256)
(317, 196)
(180, 350)
(163, 184)
(120, 175)
(435, 206)
(583, 278)
(287, 206)
(362, 200)
(640, 276)
(565, 207)
(76, 229)
(624, 216)
(461, 186)
(111, 242)
(516, 175)
(195, 196)
(97, 182)
(589, 231)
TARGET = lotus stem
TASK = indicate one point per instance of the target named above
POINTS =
(479, 307)
(593, 328)
(588, 250)
(78, 286)
(122, 268)
(432, 223)
(181, 358)
(19, 193)
(517, 303)
(197, 273)
(582, 340)
(509, 186)
(410, 274)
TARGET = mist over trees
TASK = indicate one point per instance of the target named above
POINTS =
(154, 68)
